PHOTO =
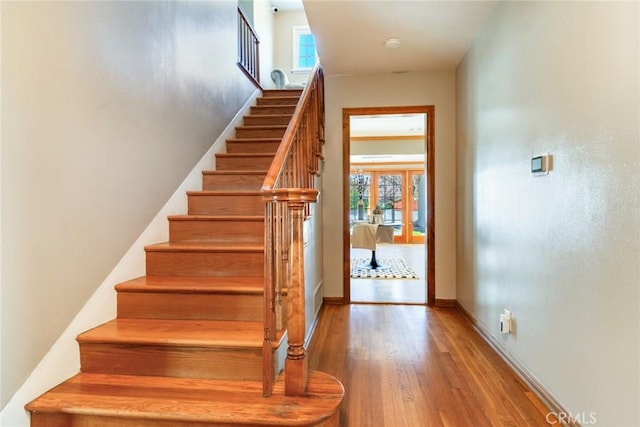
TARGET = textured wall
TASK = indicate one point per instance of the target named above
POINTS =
(561, 251)
(106, 106)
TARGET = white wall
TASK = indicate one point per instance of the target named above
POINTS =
(63, 359)
(383, 90)
(388, 146)
(561, 251)
(106, 106)
(283, 42)
(264, 26)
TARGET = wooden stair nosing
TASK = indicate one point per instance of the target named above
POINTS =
(204, 247)
(153, 399)
(244, 155)
(177, 333)
(279, 92)
(277, 115)
(287, 96)
(201, 284)
(254, 139)
(258, 110)
(204, 193)
(262, 127)
(245, 218)
(235, 172)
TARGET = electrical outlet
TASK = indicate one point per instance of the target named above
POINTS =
(505, 322)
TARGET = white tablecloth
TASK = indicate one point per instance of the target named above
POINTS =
(366, 235)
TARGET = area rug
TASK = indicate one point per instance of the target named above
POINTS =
(392, 268)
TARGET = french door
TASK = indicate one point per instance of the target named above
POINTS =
(399, 194)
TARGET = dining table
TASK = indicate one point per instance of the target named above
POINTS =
(366, 236)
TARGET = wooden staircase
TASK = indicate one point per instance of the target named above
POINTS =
(186, 348)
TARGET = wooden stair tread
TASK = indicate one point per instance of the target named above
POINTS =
(244, 155)
(284, 96)
(178, 333)
(190, 284)
(262, 127)
(204, 247)
(223, 193)
(235, 172)
(255, 138)
(270, 116)
(272, 92)
(186, 217)
(195, 400)
(275, 107)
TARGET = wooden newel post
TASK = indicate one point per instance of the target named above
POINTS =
(296, 371)
(296, 364)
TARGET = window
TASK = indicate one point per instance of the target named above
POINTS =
(304, 49)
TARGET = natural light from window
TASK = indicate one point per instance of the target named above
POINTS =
(304, 49)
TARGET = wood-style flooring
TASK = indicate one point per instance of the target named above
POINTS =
(415, 366)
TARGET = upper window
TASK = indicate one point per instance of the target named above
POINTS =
(304, 49)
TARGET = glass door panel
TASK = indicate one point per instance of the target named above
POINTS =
(418, 207)
(359, 196)
(390, 197)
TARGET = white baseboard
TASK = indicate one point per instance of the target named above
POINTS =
(520, 369)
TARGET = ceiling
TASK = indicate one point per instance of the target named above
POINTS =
(388, 125)
(434, 35)
(350, 38)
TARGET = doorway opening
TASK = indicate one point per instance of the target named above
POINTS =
(388, 187)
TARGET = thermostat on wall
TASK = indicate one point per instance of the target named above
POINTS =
(540, 165)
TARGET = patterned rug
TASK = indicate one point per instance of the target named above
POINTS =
(393, 268)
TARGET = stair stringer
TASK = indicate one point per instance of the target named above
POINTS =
(62, 361)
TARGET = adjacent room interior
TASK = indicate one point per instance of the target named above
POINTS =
(387, 208)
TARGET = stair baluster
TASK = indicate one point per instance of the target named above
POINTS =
(287, 192)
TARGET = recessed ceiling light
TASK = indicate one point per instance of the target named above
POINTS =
(392, 43)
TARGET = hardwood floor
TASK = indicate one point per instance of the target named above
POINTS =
(396, 291)
(417, 366)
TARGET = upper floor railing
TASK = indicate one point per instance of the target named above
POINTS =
(287, 190)
(248, 48)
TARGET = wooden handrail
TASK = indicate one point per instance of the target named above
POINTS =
(276, 169)
(248, 49)
(287, 191)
